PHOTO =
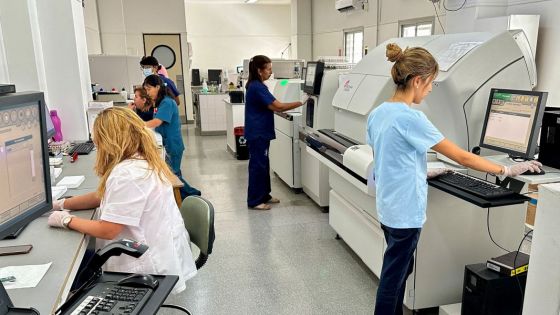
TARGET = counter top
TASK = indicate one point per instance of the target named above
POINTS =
(227, 101)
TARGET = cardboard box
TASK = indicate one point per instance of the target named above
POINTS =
(531, 209)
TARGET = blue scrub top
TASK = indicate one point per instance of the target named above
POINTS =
(259, 119)
(170, 85)
(400, 137)
(170, 129)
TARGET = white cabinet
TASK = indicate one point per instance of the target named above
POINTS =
(211, 114)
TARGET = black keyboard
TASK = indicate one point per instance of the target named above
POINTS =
(81, 148)
(475, 186)
(108, 298)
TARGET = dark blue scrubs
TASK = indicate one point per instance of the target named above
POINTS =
(170, 131)
(147, 115)
(259, 130)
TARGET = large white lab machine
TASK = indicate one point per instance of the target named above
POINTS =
(317, 114)
(284, 153)
(455, 233)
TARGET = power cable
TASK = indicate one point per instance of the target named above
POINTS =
(437, 15)
(453, 10)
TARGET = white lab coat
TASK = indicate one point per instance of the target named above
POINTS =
(138, 199)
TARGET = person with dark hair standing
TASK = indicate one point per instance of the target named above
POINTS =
(260, 106)
(150, 65)
(401, 137)
(166, 122)
(142, 105)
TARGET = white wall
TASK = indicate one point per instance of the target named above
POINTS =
(329, 24)
(222, 35)
(91, 21)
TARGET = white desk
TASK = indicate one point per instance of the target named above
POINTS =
(64, 248)
(551, 175)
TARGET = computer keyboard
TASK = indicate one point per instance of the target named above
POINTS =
(475, 186)
(108, 298)
(81, 148)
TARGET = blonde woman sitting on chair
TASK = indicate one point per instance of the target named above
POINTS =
(135, 200)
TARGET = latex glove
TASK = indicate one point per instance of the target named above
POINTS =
(58, 205)
(56, 218)
(304, 98)
(522, 167)
(435, 172)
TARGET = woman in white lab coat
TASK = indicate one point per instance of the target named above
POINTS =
(135, 200)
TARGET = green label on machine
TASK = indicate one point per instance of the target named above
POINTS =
(283, 82)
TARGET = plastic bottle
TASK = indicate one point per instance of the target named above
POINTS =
(124, 94)
(57, 126)
(204, 87)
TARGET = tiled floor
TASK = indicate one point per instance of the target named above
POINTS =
(282, 261)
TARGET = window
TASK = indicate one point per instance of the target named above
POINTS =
(416, 28)
(354, 45)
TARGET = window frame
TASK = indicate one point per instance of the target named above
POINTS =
(355, 30)
(416, 23)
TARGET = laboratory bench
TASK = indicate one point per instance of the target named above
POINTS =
(209, 113)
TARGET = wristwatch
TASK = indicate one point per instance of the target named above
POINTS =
(67, 220)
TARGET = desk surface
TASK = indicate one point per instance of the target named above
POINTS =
(63, 248)
(551, 175)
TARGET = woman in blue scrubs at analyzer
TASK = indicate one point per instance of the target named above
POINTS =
(260, 106)
(401, 137)
(166, 122)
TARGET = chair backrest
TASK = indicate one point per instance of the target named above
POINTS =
(198, 215)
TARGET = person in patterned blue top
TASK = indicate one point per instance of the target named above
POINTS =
(260, 106)
(166, 122)
(400, 137)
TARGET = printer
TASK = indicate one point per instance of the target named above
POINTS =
(470, 65)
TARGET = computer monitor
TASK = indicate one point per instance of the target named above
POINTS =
(512, 122)
(313, 77)
(25, 187)
(214, 76)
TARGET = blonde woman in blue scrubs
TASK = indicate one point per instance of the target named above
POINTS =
(401, 137)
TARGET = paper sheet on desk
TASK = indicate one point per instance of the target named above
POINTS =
(435, 165)
(26, 276)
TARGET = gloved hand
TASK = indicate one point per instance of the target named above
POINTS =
(522, 167)
(304, 98)
(57, 217)
(435, 172)
(58, 204)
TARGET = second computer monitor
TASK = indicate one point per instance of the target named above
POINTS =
(25, 188)
(512, 122)
(214, 76)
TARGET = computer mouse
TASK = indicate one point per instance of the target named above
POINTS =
(529, 172)
(138, 280)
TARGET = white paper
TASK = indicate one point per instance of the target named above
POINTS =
(71, 181)
(26, 276)
(435, 165)
(58, 191)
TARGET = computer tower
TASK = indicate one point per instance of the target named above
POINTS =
(195, 77)
(549, 145)
(486, 292)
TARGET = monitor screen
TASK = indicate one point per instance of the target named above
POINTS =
(25, 189)
(512, 122)
(214, 76)
(310, 74)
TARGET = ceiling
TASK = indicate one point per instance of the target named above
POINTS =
(239, 1)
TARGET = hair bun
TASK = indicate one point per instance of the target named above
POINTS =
(394, 53)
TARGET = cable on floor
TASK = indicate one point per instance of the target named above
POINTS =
(177, 307)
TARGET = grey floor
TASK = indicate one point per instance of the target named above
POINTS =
(282, 261)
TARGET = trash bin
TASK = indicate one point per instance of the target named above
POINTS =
(241, 149)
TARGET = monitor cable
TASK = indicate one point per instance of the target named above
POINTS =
(177, 307)
(489, 233)
(473, 93)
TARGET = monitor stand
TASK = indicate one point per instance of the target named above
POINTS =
(7, 307)
(15, 234)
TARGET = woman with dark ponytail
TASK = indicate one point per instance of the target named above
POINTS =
(166, 122)
(401, 137)
(260, 106)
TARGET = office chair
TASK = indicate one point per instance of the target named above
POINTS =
(198, 214)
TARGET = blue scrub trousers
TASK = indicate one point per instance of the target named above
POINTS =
(398, 263)
(259, 172)
(174, 161)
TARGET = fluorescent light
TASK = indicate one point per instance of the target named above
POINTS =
(250, 1)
